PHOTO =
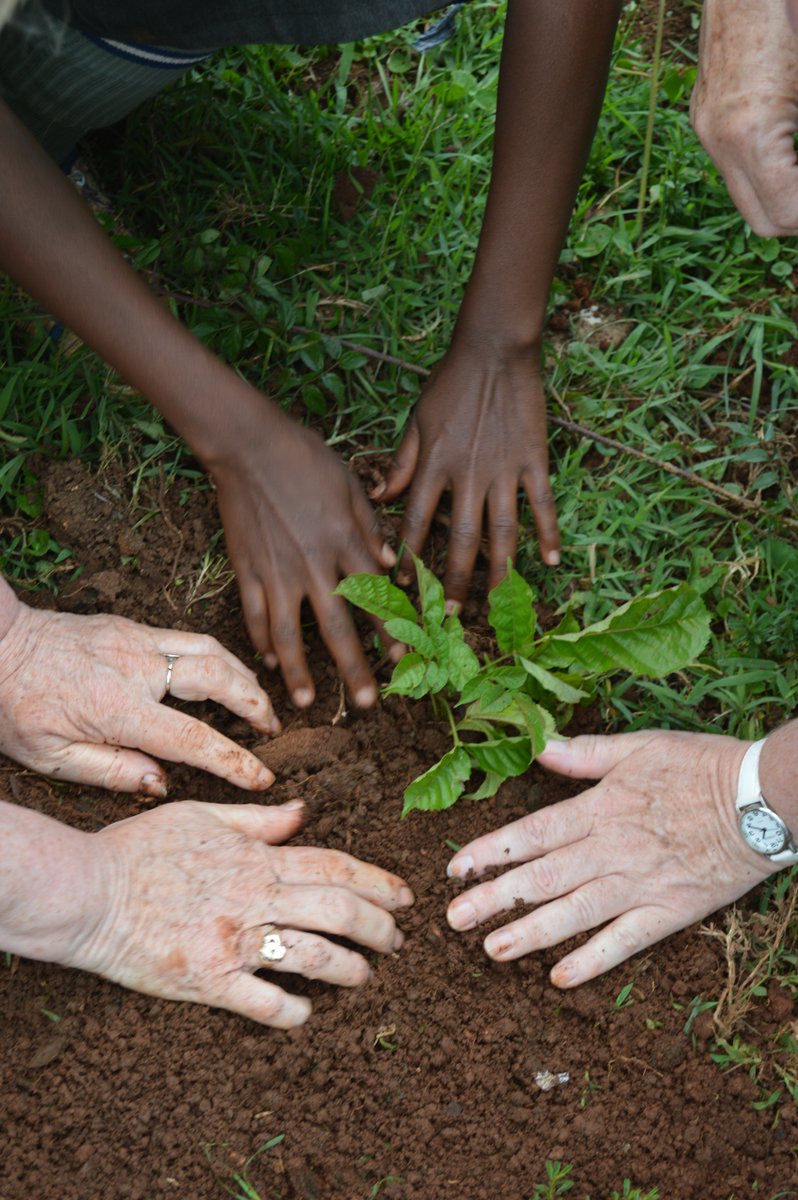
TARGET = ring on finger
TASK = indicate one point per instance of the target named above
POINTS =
(272, 949)
(171, 659)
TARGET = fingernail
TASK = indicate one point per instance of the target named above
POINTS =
(406, 898)
(302, 697)
(264, 777)
(459, 868)
(378, 491)
(365, 696)
(453, 607)
(553, 558)
(294, 805)
(462, 915)
(274, 725)
(271, 661)
(398, 650)
(498, 945)
(562, 974)
(154, 785)
(404, 578)
(388, 555)
(398, 940)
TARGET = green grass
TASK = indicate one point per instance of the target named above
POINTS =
(224, 190)
(246, 228)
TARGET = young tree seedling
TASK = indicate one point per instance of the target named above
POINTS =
(502, 711)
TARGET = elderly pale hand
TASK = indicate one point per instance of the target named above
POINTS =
(175, 902)
(745, 107)
(80, 700)
(651, 848)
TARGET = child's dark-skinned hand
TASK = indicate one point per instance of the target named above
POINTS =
(296, 522)
(479, 430)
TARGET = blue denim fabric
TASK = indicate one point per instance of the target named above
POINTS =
(441, 30)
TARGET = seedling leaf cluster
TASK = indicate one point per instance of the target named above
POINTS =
(502, 711)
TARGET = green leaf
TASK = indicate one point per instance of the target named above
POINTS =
(441, 785)
(704, 571)
(376, 594)
(652, 635)
(538, 722)
(430, 590)
(494, 699)
(552, 683)
(409, 677)
(461, 661)
(412, 635)
(504, 756)
(492, 682)
(512, 614)
(489, 787)
(437, 677)
(475, 687)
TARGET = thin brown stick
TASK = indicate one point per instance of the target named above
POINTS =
(752, 506)
(583, 431)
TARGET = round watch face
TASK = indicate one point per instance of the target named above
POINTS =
(763, 831)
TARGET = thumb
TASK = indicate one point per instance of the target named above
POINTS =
(110, 767)
(591, 756)
(270, 823)
(404, 465)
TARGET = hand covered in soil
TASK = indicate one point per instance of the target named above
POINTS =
(744, 107)
(651, 848)
(80, 700)
(296, 522)
(173, 903)
(479, 429)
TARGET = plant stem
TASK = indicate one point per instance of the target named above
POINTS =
(652, 109)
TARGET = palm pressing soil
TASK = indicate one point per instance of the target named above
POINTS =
(420, 1085)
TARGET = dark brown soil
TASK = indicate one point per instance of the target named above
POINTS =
(423, 1079)
(680, 27)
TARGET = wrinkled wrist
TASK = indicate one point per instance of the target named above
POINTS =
(51, 886)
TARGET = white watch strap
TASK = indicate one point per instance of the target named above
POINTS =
(749, 792)
(748, 789)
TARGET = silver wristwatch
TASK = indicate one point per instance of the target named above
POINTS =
(761, 827)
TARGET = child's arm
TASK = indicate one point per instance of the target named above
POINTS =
(295, 519)
(480, 426)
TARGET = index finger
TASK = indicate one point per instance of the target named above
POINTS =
(341, 639)
(530, 837)
(176, 737)
(425, 494)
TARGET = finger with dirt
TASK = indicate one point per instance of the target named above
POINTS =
(79, 700)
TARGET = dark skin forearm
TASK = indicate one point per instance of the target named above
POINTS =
(287, 541)
(53, 247)
(479, 429)
(553, 73)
